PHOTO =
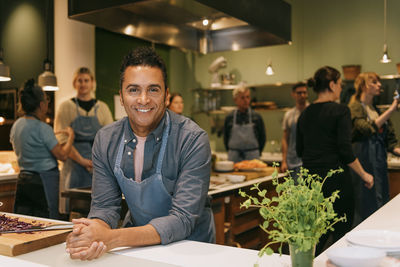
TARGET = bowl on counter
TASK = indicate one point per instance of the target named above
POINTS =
(233, 178)
(224, 166)
(356, 256)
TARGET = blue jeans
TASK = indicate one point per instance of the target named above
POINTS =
(51, 183)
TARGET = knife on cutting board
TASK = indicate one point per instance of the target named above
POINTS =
(35, 228)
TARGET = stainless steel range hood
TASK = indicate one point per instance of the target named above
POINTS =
(233, 24)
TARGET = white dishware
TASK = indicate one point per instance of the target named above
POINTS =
(388, 241)
(233, 178)
(224, 166)
(356, 256)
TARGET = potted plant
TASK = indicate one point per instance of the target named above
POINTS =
(298, 215)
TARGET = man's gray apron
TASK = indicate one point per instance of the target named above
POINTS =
(373, 157)
(150, 199)
(243, 144)
(85, 128)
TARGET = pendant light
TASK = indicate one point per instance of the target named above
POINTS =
(269, 71)
(385, 57)
(4, 69)
(47, 80)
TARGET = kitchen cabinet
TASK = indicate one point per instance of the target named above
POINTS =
(244, 224)
(394, 182)
(8, 187)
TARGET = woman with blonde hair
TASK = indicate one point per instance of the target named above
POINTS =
(86, 115)
(372, 136)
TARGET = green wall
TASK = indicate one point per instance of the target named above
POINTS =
(23, 38)
(331, 33)
(110, 50)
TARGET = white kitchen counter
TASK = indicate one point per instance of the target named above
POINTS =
(386, 218)
(193, 254)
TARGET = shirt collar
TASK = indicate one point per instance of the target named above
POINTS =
(156, 134)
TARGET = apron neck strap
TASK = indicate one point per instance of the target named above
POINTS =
(235, 115)
(164, 143)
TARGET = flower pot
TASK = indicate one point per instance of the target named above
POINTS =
(301, 258)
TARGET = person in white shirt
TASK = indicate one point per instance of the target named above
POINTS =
(290, 160)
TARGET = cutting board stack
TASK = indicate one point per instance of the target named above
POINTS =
(13, 244)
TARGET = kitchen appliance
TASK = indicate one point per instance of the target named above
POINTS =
(199, 25)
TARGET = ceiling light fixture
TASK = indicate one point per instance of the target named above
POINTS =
(47, 80)
(4, 69)
(269, 71)
(385, 58)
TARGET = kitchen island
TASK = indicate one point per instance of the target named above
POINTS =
(234, 226)
(192, 254)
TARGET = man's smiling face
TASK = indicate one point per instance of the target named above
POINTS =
(143, 96)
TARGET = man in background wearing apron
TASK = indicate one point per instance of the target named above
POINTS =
(290, 160)
(159, 160)
(244, 131)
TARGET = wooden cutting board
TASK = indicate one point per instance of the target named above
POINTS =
(17, 244)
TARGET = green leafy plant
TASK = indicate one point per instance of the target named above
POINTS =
(299, 214)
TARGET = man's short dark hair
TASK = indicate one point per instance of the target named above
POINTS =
(297, 85)
(143, 56)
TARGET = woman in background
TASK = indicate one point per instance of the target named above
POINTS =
(37, 151)
(324, 143)
(86, 115)
(176, 103)
(372, 136)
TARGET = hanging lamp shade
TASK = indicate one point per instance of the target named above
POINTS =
(4, 69)
(385, 57)
(269, 71)
(47, 80)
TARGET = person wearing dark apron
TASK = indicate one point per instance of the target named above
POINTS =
(244, 131)
(85, 128)
(149, 199)
(86, 115)
(37, 150)
(372, 136)
(158, 160)
(243, 144)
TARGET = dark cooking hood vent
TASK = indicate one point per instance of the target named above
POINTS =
(232, 24)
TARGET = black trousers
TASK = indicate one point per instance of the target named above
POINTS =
(30, 197)
(343, 205)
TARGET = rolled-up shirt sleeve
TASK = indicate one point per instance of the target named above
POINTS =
(106, 194)
(190, 191)
(344, 137)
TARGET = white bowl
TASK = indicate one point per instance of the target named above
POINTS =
(224, 165)
(235, 178)
(356, 256)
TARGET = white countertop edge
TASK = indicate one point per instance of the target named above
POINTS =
(243, 184)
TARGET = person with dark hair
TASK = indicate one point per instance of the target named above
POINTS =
(244, 129)
(176, 103)
(159, 161)
(37, 151)
(324, 143)
(86, 115)
(372, 136)
(290, 160)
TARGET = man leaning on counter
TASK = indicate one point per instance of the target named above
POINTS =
(159, 160)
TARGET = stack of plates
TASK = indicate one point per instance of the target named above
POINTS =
(388, 241)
